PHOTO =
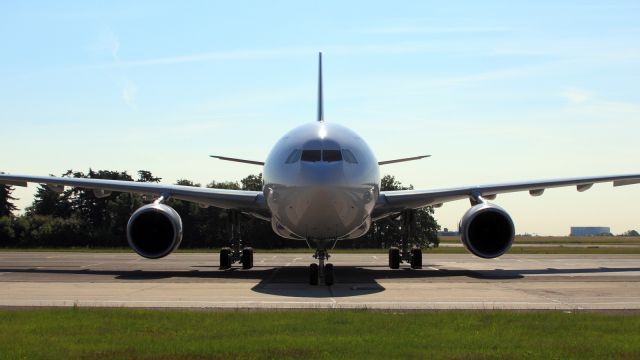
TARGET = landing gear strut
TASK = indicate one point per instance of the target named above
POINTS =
(405, 253)
(321, 272)
(236, 252)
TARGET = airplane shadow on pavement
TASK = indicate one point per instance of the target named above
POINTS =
(292, 281)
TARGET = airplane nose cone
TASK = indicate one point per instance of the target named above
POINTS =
(319, 174)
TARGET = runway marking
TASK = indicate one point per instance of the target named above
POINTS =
(433, 268)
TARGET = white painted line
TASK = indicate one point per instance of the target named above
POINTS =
(433, 268)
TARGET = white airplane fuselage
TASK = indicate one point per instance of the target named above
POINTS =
(321, 182)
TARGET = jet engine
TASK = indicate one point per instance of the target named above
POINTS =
(487, 230)
(154, 231)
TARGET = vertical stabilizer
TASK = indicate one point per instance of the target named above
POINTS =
(320, 102)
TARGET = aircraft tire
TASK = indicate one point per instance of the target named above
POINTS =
(328, 274)
(247, 258)
(416, 258)
(313, 274)
(394, 258)
(225, 258)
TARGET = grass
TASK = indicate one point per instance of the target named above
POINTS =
(584, 240)
(594, 245)
(602, 250)
(146, 334)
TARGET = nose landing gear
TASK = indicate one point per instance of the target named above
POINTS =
(321, 272)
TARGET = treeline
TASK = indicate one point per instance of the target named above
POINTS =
(77, 218)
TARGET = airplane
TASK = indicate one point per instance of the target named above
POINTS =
(321, 185)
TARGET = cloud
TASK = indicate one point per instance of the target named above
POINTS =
(213, 56)
(129, 93)
(114, 46)
(106, 46)
(276, 53)
(436, 30)
(577, 96)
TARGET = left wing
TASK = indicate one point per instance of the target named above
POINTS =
(390, 202)
(403, 159)
(248, 201)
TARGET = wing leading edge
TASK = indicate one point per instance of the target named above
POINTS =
(248, 201)
(390, 202)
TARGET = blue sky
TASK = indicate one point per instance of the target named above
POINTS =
(494, 90)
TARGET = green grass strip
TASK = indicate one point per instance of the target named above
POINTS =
(525, 250)
(147, 334)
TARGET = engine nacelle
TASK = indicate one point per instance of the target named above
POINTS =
(487, 230)
(154, 231)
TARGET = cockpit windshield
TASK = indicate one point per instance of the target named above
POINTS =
(348, 156)
(311, 155)
(321, 155)
(331, 155)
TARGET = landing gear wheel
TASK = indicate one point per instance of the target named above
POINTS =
(247, 258)
(394, 258)
(416, 258)
(313, 274)
(225, 258)
(328, 274)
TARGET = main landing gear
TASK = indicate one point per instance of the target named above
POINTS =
(236, 252)
(321, 272)
(404, 253)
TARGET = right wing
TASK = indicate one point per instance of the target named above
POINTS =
(247, 201)
(252, 162)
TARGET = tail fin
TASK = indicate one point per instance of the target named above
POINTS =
(320, 102)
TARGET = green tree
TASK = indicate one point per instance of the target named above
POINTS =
(7, 206)
(252, 182)
(229, 185)
(49, 202)
(388, 231)
(146, 176)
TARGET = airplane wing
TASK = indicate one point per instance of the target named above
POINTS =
(248, 201)
(391, 202)
(403, 159)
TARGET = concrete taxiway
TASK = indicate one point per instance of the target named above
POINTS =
(447, 281)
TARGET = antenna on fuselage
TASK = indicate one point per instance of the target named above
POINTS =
(320, 103)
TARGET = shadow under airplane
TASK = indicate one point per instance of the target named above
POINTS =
(292, 281)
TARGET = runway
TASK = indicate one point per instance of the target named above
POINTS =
(447, 281)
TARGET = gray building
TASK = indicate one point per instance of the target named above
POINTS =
(590, 231)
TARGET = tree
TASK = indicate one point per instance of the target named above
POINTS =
(252, 182)
(47, 202)
(6, 201)
(388, 231)
(229, 185)
(146, 176)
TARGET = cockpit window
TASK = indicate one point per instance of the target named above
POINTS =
(311, 155)
(348, 156)
(331, 155)
(321, 155)
(294, 156)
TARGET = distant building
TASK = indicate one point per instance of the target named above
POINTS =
(446, 232)
(590, 231)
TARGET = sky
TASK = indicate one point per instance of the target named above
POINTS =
(495, 91)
